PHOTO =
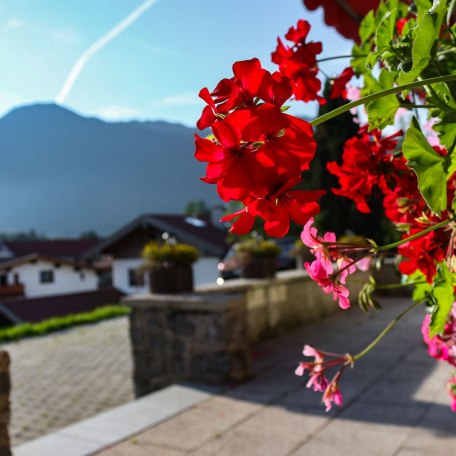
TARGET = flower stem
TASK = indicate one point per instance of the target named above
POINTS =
(413, 237)
(385, 331)
(336, 57)
(413, 85)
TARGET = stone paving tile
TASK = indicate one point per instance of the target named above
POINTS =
(133, 448)
(443, 444)
(195, 427)
(68, 376)
(354, 439)
(391, 396)
(272, 432)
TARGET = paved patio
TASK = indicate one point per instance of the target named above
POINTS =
(395, 400)
(68, 376)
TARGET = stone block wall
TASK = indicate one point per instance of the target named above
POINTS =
(207, 336)
(193, 337)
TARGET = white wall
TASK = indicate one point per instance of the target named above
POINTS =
(204, 272)
(66, 279)
(120, 277)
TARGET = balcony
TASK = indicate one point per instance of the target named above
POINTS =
(11, 291)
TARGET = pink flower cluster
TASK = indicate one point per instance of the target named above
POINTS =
(318, 381)
(321, 270)
(443, 347)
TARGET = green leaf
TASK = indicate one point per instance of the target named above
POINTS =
(382, 110)
(443, 297)
(447, 129)
(385, 31)
(425, 34)
(367, 27)
(428, 165)
(422, 291)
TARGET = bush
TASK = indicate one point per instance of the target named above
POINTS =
(57, 323)
(154, 253)
(258, 248)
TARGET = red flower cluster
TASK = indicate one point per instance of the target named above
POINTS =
(366, 163)
(424, 253)
(257, 152)
(299, 62)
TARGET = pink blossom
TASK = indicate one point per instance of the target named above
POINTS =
(319, 274)
(317, 369)
(442, 346)
(311, 239)
(332, 393)
(364, 263)
(353, 93)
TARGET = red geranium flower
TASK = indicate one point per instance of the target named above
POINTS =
(277, 208)
(366, 164)
(299, 63)
(250, 81)
(339, 89)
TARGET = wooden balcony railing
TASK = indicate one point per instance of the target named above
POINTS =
(10, 291)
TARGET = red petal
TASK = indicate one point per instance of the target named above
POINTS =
(207, 151)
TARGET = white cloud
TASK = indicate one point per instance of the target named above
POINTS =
(115, 112)
(66, 37)
(180, 99)
(98, 45)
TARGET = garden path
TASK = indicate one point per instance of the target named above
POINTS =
(395, 400)
(68, 376)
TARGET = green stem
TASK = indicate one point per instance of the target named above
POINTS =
(411, 105)
(336, 57)
(413, 85)
(385, 331)
(391, 286)
(413, 237)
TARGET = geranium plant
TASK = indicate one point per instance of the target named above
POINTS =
(155, 254)
(257, 152)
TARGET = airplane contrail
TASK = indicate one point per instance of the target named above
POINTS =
(99, 44)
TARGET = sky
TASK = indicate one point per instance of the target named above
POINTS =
(136, 59)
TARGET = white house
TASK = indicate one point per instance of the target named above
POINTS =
(32, 269)
(126, 244)
(34, 275)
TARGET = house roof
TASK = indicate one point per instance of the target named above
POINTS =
(200, 233)
(33, 257)
(58, 248)
(344, 15)
(38, 309)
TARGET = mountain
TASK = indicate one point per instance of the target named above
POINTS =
(62, 173)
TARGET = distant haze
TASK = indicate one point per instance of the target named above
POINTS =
(63, 174)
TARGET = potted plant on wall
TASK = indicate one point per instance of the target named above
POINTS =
(257, 258)
(169, 266)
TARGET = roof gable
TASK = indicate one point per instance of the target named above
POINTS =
(198, 232)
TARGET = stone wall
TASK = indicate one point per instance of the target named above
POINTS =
(4, 403)
(196, 337)
(206, 336)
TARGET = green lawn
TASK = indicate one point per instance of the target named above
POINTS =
(57, 323)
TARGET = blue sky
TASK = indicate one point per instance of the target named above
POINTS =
(155, 68)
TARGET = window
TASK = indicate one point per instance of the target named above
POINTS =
(135, 278)
(47, 276)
